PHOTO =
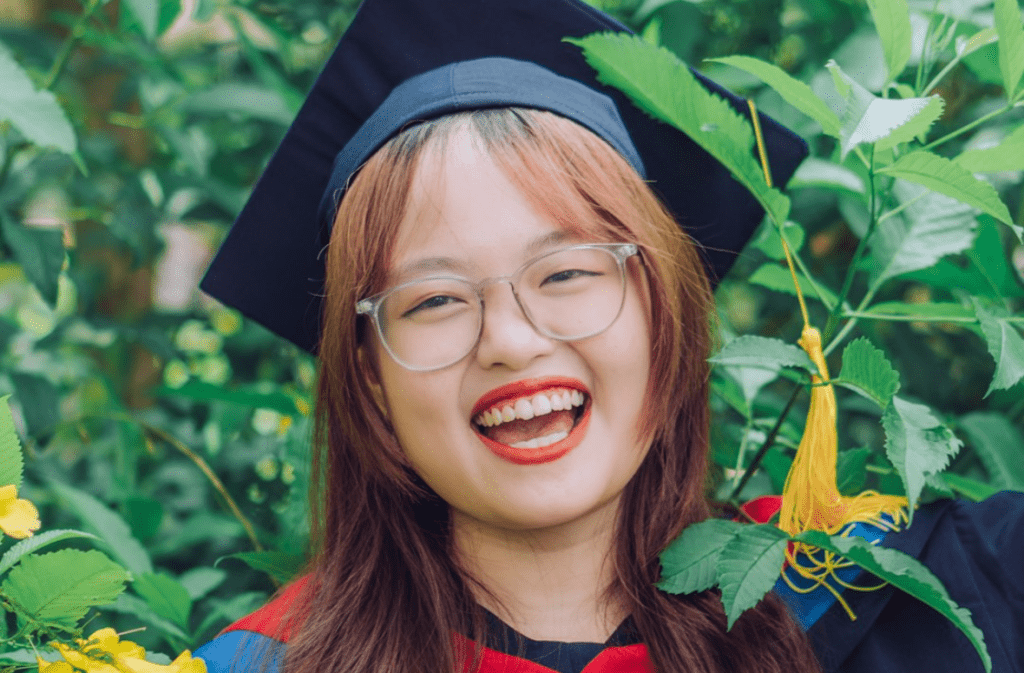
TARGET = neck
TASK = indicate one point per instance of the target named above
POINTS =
(547, 584)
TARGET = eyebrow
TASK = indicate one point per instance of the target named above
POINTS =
(455, 265)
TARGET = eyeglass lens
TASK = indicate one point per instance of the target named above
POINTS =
(569, 294)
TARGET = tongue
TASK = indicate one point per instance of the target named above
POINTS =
(520, 431)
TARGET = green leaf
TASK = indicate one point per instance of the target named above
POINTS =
(281, 566)
(663, 86)
(39, 400)
(869, 372)
(905, 573)
(999, 445)
(61, 586)
(815, 172)
(883, 121)
(751, 380)
(1005, 346)
(850, 470)
(748, 566)
(36, 114)
(688, 563)
(769, 242)
(763, 352)
(1011, 45)
(40, 252)
(1006, 156)
(108, 525)
(927, 310)
(127, 604)
(168, 598)
(917, 444)
(204, 392)
(37, 541)
(945, 177)
(249, 100)
(202, 580)
(147, 13)
(792, 90)
(11, 462)
(892, 20)
(778, 278)
(930, 228)
(967, 487)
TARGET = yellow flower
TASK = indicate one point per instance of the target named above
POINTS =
(18, 518)
(105, 652)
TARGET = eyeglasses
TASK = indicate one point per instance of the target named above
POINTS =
(571, 293)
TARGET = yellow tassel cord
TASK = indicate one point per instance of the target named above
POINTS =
(810, 497)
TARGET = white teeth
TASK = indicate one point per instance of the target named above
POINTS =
(524, 409)
(527, 408)
(538, 442)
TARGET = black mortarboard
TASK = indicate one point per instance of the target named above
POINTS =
(270, 266)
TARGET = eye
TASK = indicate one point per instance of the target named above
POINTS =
(569, 274)
(432, 303)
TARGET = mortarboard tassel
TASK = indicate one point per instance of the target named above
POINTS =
(810, 496)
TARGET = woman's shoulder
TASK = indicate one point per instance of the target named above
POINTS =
(257, 641)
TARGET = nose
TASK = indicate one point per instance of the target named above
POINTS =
(507, 336)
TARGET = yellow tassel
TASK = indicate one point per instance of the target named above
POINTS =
(810, 496)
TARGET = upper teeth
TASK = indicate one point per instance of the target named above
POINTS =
(526, 408)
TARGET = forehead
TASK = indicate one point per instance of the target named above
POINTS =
(464, 215)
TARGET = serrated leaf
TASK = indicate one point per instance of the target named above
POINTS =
(885, 122)
(108, 525)
(867, 369)
(40, 252)
(769, 241)
(36, 542)
(778, 278)
(61, 586)
(892, 20)
(663, 86)
(688, 564)
(905, 573)
(930, 228)
(815, 172)
(999, 445)
(792, 90)
(945, 177)
(917, 443)
(281, 566)
(927, 310)
(748, 566)
(1011, 45)
(1006, 156)
(36, 114)
(11, 462)
(165, 595)
(1005, 345)
(763, 352)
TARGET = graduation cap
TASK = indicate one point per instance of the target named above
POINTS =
(384, 74)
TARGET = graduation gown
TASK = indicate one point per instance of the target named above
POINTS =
(975, 549)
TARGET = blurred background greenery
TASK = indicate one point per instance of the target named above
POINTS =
(179, 431)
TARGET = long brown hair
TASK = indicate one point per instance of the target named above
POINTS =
(385, 592)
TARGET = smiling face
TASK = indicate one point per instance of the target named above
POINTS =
(463, 208)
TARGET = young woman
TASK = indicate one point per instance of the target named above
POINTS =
(513, 394)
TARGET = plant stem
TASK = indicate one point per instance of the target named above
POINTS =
(896, 317)
(768, 442)
(74, 36)
(967, 127)
(833, 317)
(852, 322)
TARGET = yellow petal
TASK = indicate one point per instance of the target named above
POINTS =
(53, 666)
(18, 518)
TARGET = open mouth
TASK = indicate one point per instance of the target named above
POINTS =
(535, 428)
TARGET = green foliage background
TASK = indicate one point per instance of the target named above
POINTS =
(177, 433)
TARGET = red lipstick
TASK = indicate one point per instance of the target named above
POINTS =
(524, 388)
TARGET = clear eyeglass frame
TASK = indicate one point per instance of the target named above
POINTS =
(370, 306)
